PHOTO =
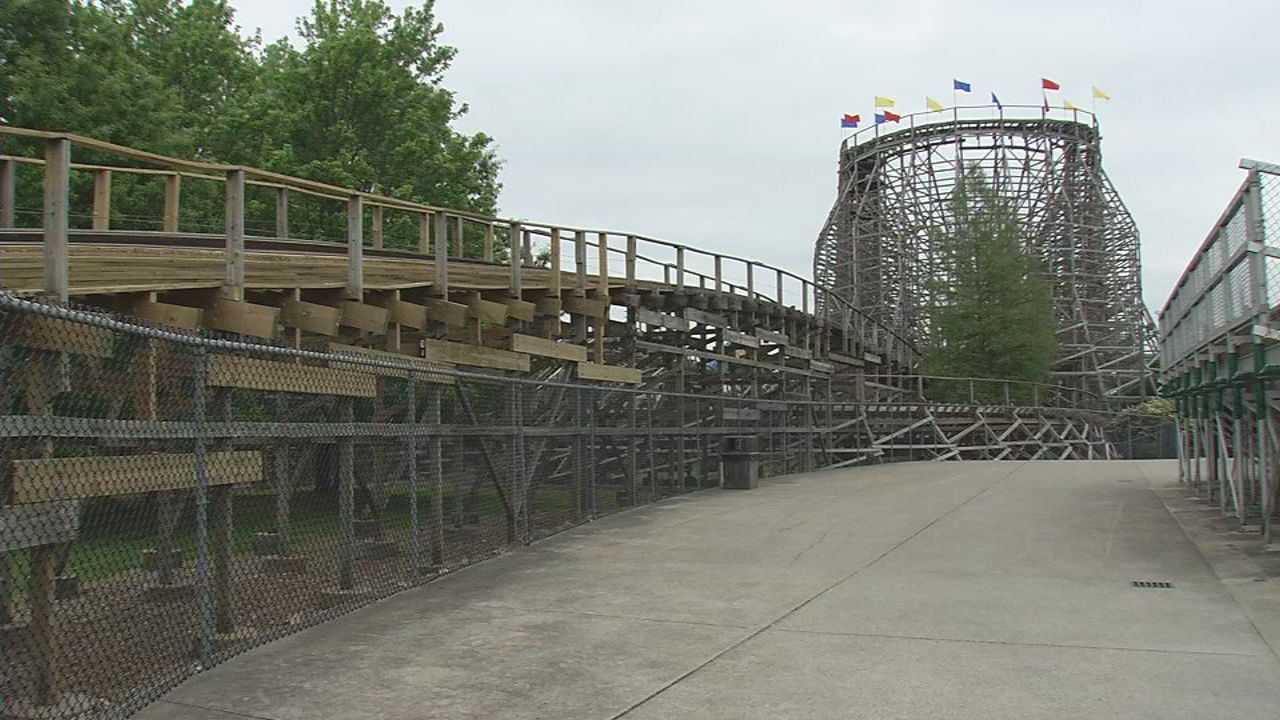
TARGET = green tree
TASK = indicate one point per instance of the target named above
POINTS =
(992, 314)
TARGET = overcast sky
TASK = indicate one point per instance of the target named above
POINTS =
(715, 123)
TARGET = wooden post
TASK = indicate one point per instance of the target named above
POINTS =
(233, 282)
(346, 498)
(57, 172)
(602, 287)
(631, 262)
(555, 262)
(8, 186)
(355, 249)
(526, 248)
(680, 268)
(719, 272)
(377, 226)
(804, 296)
(424, 233)
(282, 213)
(172, 195)
(516, 284)
(751, 280)
(442, 255)
(580, 263)
(488, 242)
(101, 199)
(44, 629)
(780, 303)
(457, 239)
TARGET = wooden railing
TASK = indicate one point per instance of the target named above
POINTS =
(440, 237)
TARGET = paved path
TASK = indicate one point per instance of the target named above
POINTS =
(953, 590)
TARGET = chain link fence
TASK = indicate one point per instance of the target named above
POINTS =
(168, 501)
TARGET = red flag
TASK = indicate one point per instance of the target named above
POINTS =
(890, 116)
(1048, 84)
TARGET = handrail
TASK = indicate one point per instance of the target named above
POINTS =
(809, 291)
(941, 116)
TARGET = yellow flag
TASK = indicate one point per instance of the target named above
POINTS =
(1099, 94)
(933, 104)
(1068, 106)
(882, 101)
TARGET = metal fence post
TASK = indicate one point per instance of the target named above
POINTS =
(411, 421)
(204, 585)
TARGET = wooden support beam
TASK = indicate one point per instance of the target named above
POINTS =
(457, 237)
(366, 318)
(517, 284)
(311, 317)
(475, 355)
(282, 213)
(272, 376)
(451, 313)
(550, 304)
(441, 287)
(631, 262)
(242, 318)
(67, 478)
(39, 332)
(178, 316)
(546, 348)
(355, 248)
(580, 264)
(424, 371)
(424, 233)
(555, 263)
(172, 201)
(608, 373)
(680, 268)
(408, 314)
(8, 191)
(485, 310)
(584, 306)
(488, 242)
(57, 173)
(101, 199)
(233, 279)
(520, 309)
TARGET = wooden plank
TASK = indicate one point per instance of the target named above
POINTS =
(439, 243)
(311, 317)
(485, 310)
(8, 190)
(822, 367)
(45, 480)
(740, 338)
(475, 355)
(705, 318)
(254, 374)
(282, 213)
(178, 316)
(410, 314)
(451, 313)
(547, 348)
(608, 373)
(369, 318)
(424, 371)
(488, 242)
(39, 332)
(555, 264)
(376, 225)
(585, 306)
(550, 305)
(517, 282)
(242, 318)
(798, 352)
(776, 338)
(671, 322)
(520, 309)
(424, 233)
(845, 359)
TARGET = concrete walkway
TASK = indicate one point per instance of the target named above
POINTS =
(954, 590)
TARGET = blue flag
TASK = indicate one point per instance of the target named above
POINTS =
(996, 100)
(961, 86)
(879, 118)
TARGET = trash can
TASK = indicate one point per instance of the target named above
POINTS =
(740, 462)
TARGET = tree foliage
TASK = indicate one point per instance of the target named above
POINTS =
(992, 314)
(357, 103)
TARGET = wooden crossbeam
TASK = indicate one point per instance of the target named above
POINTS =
(475, 355)
(269, 375)
(46, 480)
(608, 373)
(546, 348)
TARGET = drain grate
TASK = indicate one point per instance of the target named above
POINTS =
(1152, 584)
